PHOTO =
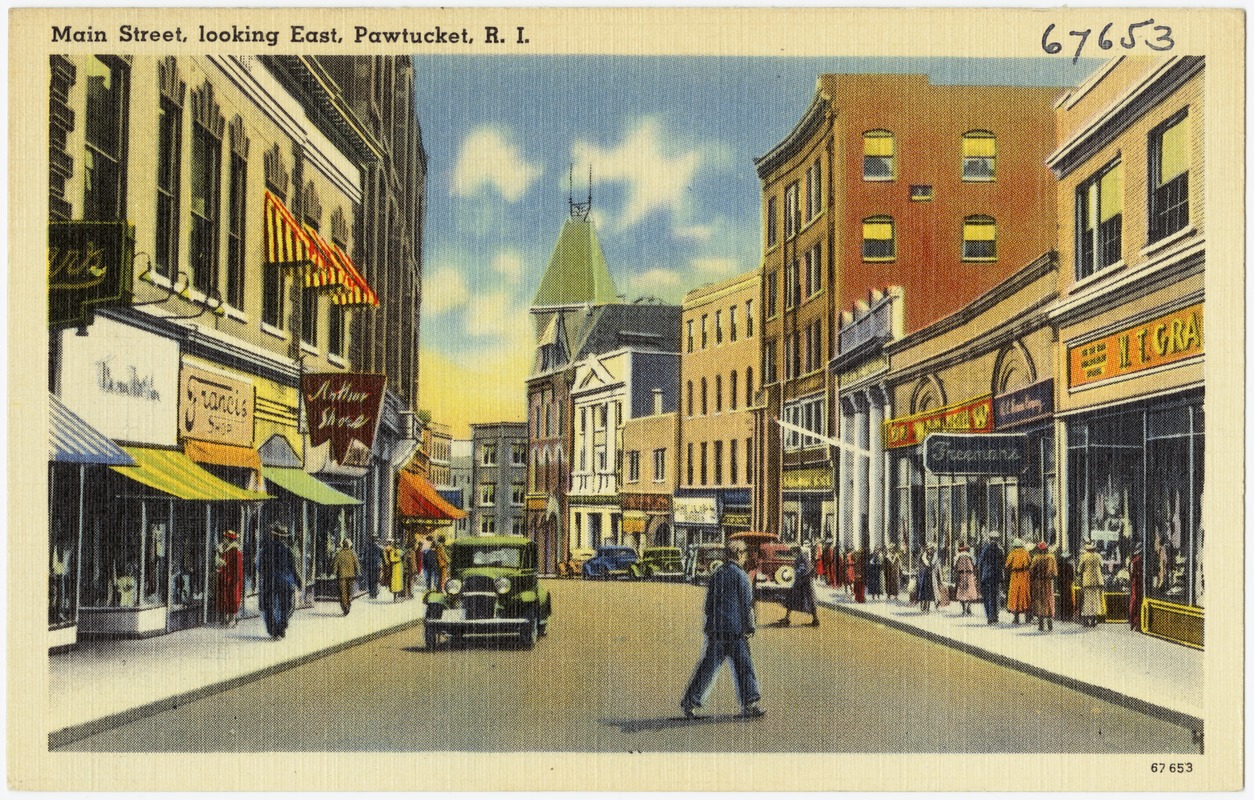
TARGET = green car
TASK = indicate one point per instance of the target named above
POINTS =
(492, 591)
(659, 563)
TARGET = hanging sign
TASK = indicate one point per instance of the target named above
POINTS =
(89, 267)
(343, 408)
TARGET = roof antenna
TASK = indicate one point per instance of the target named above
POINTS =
(579, 210)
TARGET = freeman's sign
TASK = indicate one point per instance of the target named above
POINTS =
(993, 454)
(89, 267)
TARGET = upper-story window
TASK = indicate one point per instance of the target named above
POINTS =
(814, 190)
(814, 270)
(792, 285)
(690, 398)
(108, 93)
(732, 391)
(772, 293)
(206, 180)
(633, 466)
(169, 167)
(979, 238)
(705, 331)
(518, 454)
(772, 223)
(878, 156)
(792, 210)
(690, 339)
(748, 318)
(718, 327)
(878, 242)
(979, 156)
(1169, 150)
(488, 454)
(731, 323)
(1099, 221)
(237, 190)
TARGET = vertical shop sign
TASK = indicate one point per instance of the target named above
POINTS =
(89, 267)
(343, 408)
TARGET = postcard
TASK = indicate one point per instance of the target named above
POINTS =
(436, 398)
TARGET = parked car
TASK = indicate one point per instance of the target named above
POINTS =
(573, 566)
(770, 565)
(660, 563)
(611, 562)
(702, 560)
(492, 590)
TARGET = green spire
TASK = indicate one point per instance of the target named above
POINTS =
(577, 273)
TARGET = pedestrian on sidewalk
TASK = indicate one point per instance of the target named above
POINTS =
(429, 564)
(394, 569)
(928, 578)
(729, 623)
(966, 588)
(413, 563)
(988, 565)
(892, 574)
(1092, 585)
(1066, 580)
(1042, 572)
(372, 564)
(818, 561)
(875, 572)
(830, 568)
(278, 579)
(441, 560)
(229, 589)
(800, 596)
(346, 566)
(1019, 595)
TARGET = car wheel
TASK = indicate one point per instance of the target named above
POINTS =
(531, 630)
(432, 637)
(785, 575)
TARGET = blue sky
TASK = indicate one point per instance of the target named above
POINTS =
(671, 143)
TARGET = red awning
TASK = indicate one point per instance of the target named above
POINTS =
(355, 291)
(286, 244)
(417, 498)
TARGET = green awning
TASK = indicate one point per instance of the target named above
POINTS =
(175, 474)
(302, 484)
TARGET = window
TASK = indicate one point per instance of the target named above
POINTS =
(814, 271)
(814, 190)
(748, 318)
(979, 238)
(336, 326)
(689, 336)
(633, 466)
(718, 394)
(792, 285)
(206, 192)
(718, 327)
(979, 156)
(792, 214)
(748, 386)
(690, 398)
(487, 494)
(583, 420)
(877, 239)
(772, 223)
(602, 413)
(731, 393)
(517, 494)
(1169, 148)
(796, 353)
(169, 160)
(237, 190)
(718, 463)
(921, 193)
(705, 453)
(1099, 221)
(519, 526)
(659, 465)
(749, 460)
(487, 524)
(108, 93)
(772, 293)
(705, 331)
(690, 463)
(878, 152)
(309, 304)
(731, 455)
(518, 454)
(770, 368)
(814, 345)
(488, 454)
(705, 405)
(731, 323)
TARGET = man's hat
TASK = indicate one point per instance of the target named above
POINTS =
(1042, 545)
(280, 530)
(231, 535)
(1017, 542)
(1089, 545)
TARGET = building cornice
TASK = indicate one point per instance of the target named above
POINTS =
(796, 140)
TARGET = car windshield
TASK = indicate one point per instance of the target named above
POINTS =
(490, 557)
(662, 552)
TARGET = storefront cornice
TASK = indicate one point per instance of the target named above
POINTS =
(1130, 285)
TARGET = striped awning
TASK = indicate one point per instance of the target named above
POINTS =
(72, 440)
(286, 244)
(175, 474)
(324, 271)
(302, 484)
(355, 291)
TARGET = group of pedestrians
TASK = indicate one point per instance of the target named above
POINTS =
(278, 578)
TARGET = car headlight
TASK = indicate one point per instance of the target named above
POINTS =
(453, 587)
(502, 585)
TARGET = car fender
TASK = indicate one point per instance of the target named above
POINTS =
(528, 597)
(435, 606)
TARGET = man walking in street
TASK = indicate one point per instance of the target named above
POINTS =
(988, 567)
(729, 623)
(276, 569)
(346, 566)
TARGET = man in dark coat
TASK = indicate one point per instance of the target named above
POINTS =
(800, 597)
(279, 579)
(371, 561)
(988, 567)
(729, 622)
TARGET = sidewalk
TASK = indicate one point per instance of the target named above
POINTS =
(106, 683)
(1111, 661)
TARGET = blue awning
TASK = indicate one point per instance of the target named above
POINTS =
(71, 440)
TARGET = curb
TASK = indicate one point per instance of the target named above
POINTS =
(74, 733)
(1105, 693)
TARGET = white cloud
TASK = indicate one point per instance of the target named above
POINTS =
(488, 159)
(493, 314)
(656, 181)
(443, 289)
(665, 284)
(509, 265)
(715, 267)
(697, 233)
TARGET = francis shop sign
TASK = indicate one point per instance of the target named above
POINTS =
(990, 454)
(343, 408)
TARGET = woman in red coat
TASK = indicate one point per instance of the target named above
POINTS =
(230, 585)
(1136, 577)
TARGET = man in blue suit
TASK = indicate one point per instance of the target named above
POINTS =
(729, 623)
(279, 579)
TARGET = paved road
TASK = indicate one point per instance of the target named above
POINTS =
(608, 678)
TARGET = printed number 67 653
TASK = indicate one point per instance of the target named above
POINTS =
(1184, 766)
(1161, 42)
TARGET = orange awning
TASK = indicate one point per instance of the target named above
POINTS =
(286, 245)
(417, 498)
(227, 455)
(324, 272)
(355, 291)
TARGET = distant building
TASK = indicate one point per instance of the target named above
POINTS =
(498, 478)
(647, 484)
(460, 476)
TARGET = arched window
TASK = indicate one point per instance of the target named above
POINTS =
(749, 386)
(979, 238)
(979, 156)
(878, 156)
(878, 242)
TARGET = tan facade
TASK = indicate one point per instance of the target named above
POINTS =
(648, 479)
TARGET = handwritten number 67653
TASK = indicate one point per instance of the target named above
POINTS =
(1161, 42)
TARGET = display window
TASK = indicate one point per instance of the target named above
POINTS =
(64, 483)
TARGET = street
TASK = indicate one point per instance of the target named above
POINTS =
(608, 678)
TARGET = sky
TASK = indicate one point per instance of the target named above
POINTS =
(670, 143)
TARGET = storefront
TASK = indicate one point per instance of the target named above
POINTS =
(808, 506)
(696, 518)
(646, 519)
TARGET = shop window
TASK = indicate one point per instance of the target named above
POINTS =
(878, 243)
(104, 162)
(979, 156)
(979, 238)
(1099, 221)
(878, 156)
(1169, 162)
(1175, 443)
